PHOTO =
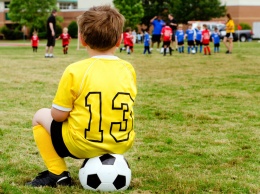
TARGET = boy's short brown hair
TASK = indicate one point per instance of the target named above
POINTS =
(101, 27)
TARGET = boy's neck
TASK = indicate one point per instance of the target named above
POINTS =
(93, 52)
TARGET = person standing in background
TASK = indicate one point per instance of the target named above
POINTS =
(158, 24)
(230, 29)
(51, 27)
(173, 24)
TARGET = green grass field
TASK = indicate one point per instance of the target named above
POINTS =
(197, 119)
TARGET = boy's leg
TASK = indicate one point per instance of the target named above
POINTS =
(57, 169)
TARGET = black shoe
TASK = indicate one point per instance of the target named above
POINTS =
(227, 52)
(47, 178)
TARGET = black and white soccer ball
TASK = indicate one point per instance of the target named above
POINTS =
(109, 172)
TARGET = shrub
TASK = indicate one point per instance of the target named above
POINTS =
(245, 26)
(58, 30)
(73, 29)
(11, 34)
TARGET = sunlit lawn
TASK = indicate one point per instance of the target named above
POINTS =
(197, 119)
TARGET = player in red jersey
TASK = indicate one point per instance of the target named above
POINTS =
(129, 40)
(206, 39)
(35, 41)
(65, 40)
(166, 36)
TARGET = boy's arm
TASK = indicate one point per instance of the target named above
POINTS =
(59, 115)
(153, 19)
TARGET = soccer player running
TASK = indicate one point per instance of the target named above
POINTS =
(206, 39)
(158, 24)
(179, 37)
(51, 27)
(190, 37)
(147, 41)
(65, 37)
(92, 112)
(166, 36)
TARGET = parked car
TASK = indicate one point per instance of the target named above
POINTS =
(241, 35)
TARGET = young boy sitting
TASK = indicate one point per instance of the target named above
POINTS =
(92, 112)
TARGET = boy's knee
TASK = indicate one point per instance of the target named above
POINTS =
(41, 113)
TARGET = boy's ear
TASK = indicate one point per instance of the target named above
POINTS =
(81, 40)
(119, 41)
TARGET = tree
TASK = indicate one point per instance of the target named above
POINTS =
(132, 10)
(31, 13)
(202, 10)
(183, 11)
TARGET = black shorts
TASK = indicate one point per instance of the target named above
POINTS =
(190, 42)
(198, 42)
(65, 45)
(166, 43)
(216, 45)
(35, 47)
(206, 44)
(180, 43)
(173, 37)
(57, 140)
(156, 38)
(230, 35)
(51, 41)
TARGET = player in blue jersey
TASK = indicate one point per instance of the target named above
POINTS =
(179, 37)
(147, 41)
(216, 40)
(189, 34)
(158, 24)
(198, 39)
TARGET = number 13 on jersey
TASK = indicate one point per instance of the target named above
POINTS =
(119, 116)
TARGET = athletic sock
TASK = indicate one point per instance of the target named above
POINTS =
(182, 49)
(208, 49)
(188, 50)
(200, 48)
(205, 51)
(52, 160)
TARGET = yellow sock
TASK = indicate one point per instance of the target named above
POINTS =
(52, 160)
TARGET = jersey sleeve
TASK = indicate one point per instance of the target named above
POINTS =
(65, 95)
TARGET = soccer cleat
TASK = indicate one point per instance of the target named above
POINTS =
(47, 178)
(227, 51)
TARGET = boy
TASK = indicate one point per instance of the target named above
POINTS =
(216, 40)
(205, 39)
(65, 40)
(92, 112)
(147, 41)
(190, 37)
(179, 37)
(166, 36)
(35, 41)
(129, 40)
(198, 39)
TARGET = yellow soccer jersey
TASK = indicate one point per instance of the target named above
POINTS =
(99, 92)
(230, 26)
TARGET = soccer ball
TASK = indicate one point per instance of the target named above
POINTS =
(193, 51)
(109, 172)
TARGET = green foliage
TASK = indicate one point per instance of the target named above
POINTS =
(245, 26)
(30, 13)
(132, 10)
(58, 30)
(183, 11)
(10, 34)
(73, 29)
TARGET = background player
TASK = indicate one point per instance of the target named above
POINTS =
(65, 37)
(35, 41)
(216, 40)
(190, 35)
(166, 36)
(198, 39)
(179, 37)
(206, 39)
(147, 41)
(102, 86)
